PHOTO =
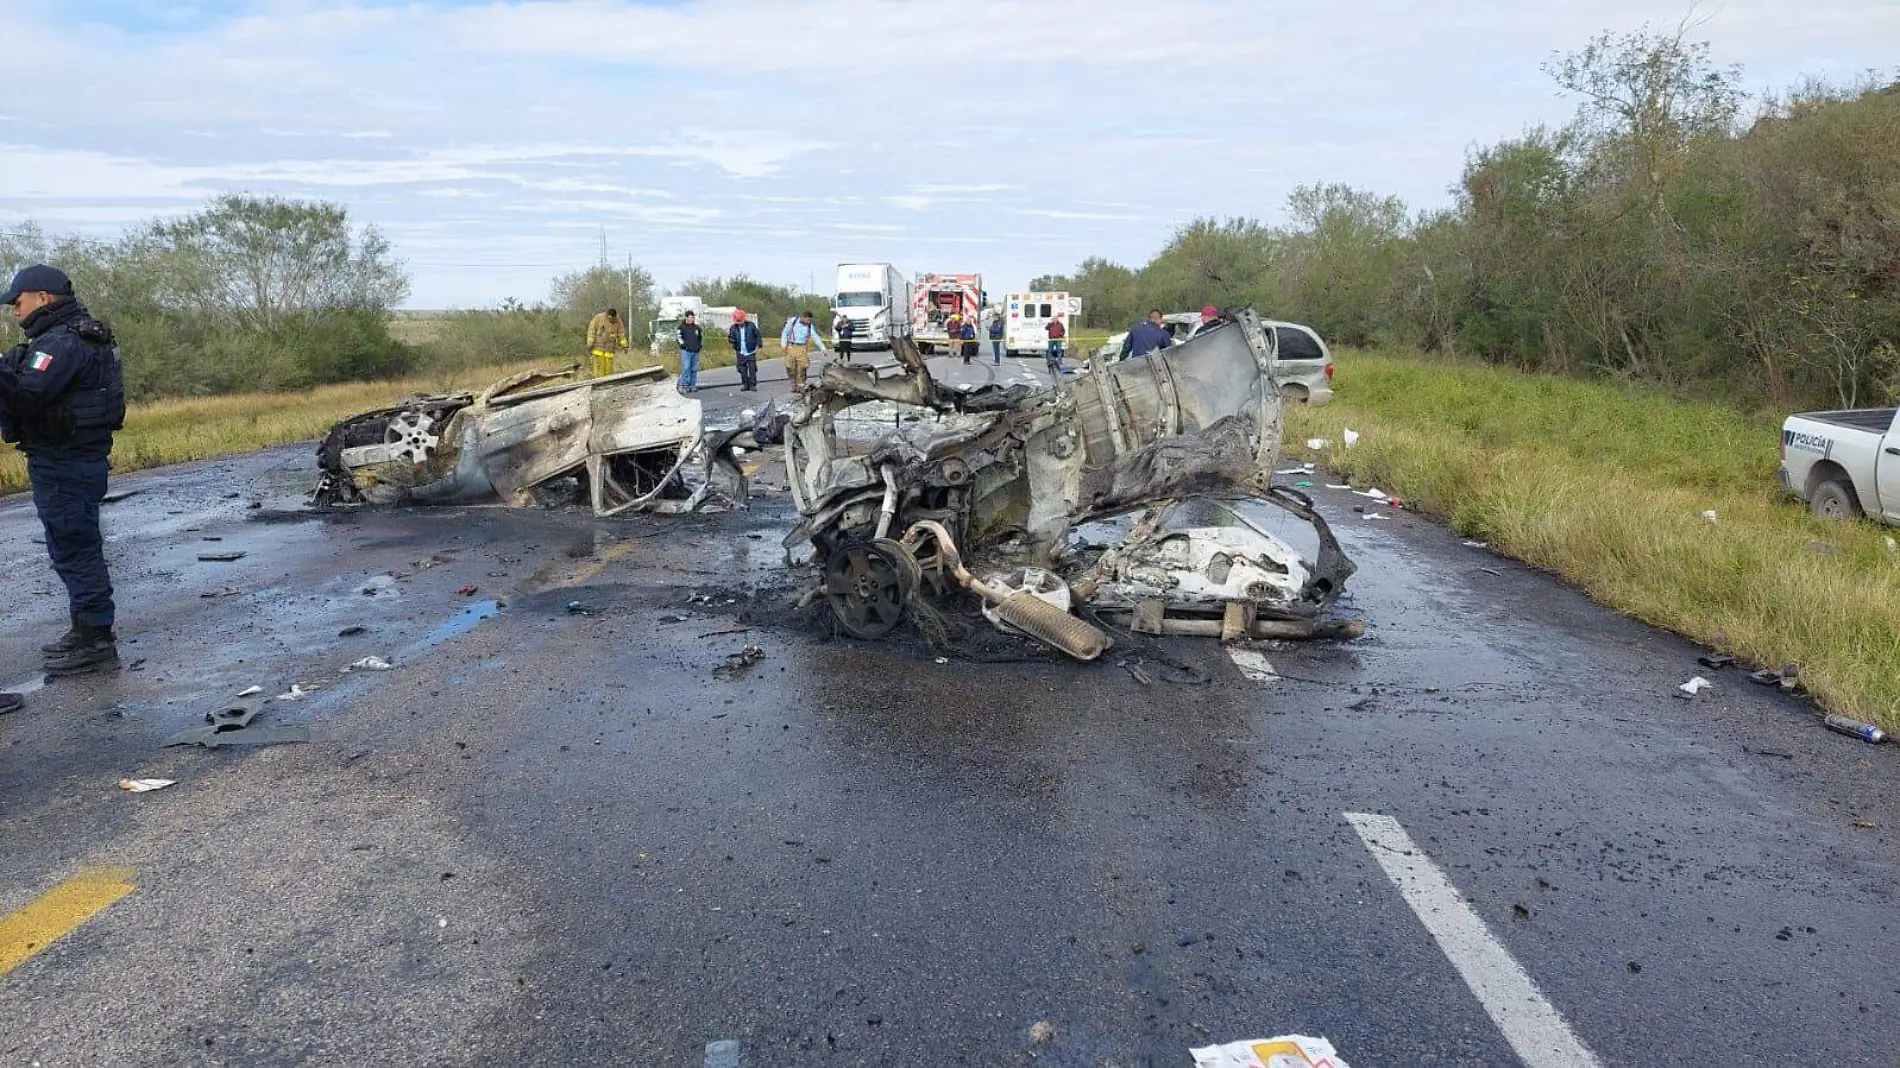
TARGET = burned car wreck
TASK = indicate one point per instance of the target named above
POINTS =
(627, 439)
(904, 485)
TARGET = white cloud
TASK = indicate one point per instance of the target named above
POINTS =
(533, 122)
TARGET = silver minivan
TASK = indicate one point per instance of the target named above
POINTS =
(1302, 364)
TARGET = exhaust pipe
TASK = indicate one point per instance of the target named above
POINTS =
(1019, 608)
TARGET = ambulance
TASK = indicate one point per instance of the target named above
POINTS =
(1027, 316)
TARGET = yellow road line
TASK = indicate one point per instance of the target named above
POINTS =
(586, 572)
(59, 912)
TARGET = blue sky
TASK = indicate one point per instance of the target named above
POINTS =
(492, 141)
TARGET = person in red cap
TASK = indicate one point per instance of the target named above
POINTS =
(744, 336)
(1209, 313)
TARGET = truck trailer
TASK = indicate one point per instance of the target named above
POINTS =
(876, 298)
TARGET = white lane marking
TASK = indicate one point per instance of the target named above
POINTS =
(1531, 1024)
(722, 1054)
(1252, 663)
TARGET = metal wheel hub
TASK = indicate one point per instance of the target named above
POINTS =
(869, 586)
(410, 437)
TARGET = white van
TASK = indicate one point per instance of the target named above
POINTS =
(876, 298)
(1027, 316)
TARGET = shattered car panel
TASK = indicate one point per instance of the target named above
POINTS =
(628, 435)
(1010, 472)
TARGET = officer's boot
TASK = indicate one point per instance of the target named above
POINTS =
(65, 643)
(96, 650)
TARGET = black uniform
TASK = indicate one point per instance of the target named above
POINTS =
(62, 395)
(845, 331)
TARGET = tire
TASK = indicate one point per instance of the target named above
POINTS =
(1834, 499)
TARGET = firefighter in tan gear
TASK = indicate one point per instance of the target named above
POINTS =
(606, 336)
(796, 343)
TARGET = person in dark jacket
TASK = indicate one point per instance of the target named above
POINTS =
(968, 335)
(1148, 335)
(996, 337)
(62, 396)
(690, 341)
(744, 335)
(843, 331)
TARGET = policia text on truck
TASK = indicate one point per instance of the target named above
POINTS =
(62, 395)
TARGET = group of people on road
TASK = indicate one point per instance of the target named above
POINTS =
(801, 339)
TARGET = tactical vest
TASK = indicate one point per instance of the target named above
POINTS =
(97, 407)
(93, 406)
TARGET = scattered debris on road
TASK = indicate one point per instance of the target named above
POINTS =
(145, 786)
(370, 663)
(11, 702)
(250, 691)
(1284, 1051)
(739, 661)
(1856, 728)
(624, 441)
(220, 558)
(468, 591)
(235, 725)
(1716, 661)
(1694, 686)
(899, 479)
(352, 631)
(295, 693)
(118, 495)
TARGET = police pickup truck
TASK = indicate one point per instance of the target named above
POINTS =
(1843, 464)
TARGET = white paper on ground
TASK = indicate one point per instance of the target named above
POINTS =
(251, 692)
(1695, 686)
(144, 786)
(1285, 1051)
(1351, 437)
(1317, 444)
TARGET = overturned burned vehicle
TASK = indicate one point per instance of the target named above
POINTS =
(900, 479)
(627, 440)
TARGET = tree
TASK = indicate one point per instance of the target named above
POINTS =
(264, 260)
(584, 294)
(1650, 93)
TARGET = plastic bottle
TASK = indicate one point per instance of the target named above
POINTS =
(1866, 732)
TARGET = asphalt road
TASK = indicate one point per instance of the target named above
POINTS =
(563, 837)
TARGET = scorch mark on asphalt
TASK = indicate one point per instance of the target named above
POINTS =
(1531, 1024)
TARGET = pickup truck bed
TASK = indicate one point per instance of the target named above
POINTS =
(1873, 420)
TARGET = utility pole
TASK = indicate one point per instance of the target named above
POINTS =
(604, 261)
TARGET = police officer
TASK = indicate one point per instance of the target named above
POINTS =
(62, 395)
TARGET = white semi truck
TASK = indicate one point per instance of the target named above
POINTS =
(876, 298)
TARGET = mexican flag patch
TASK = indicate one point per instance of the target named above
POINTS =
(42, 360)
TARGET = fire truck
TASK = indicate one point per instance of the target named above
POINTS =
(934, 299)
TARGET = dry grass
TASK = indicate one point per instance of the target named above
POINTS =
(1608, 490)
